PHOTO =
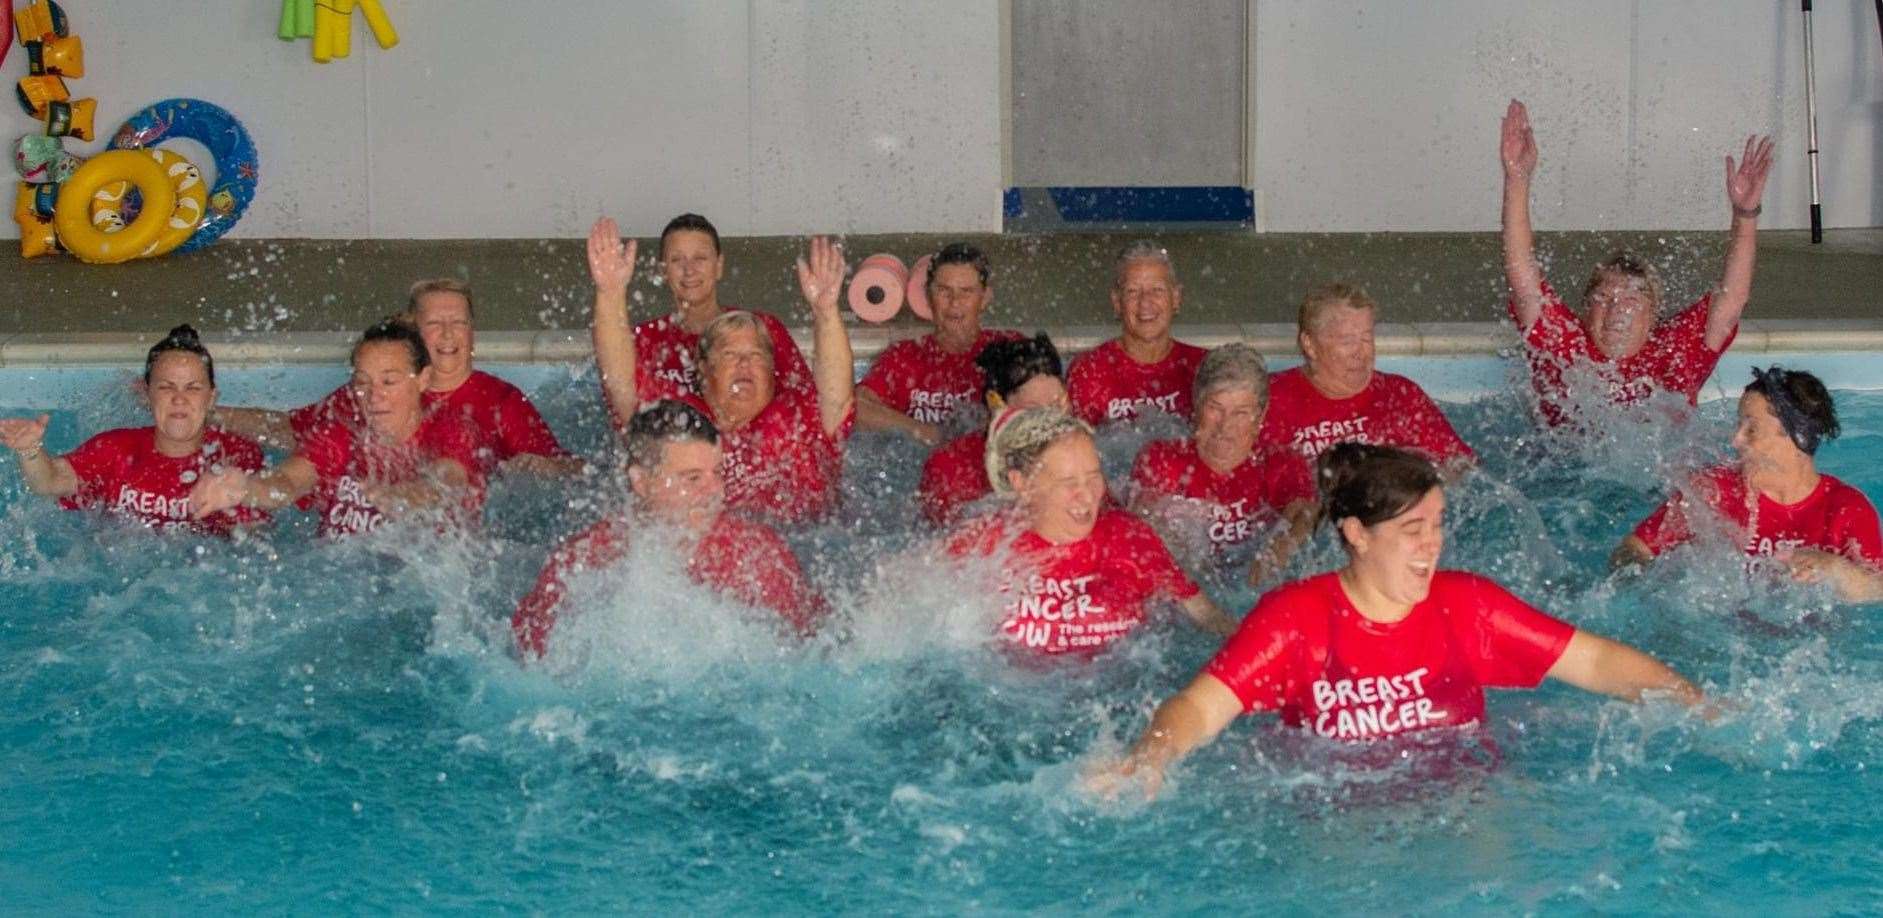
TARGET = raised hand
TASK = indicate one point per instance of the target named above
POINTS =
(214, 493)
(1517, 143)
(610, 261)
(24, 435)
(1745, 184)
(820, 279)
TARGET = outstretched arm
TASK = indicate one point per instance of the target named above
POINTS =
(1598, 664)
(873, 414)
(820, 280)
(611, 267)
(1189, 719)
(44, 474)
(263, 425)
(1745, 189)
(286, 483)
(1853, 582)
(1517, 147)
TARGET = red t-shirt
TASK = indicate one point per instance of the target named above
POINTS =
(745, 560)
(1262, 486)
(1305, 651)
(121, 472)
(1835, 518)
(664, 354)
(1107, 385)
(1391, 411)
(1675, 359)
(348, 463)
(954, 476)
(919, 379)
(781, 465)
(1079, 597)
(499, 414)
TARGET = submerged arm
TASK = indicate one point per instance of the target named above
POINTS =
(1598, 664)
(1208, 616)
(1189, 719)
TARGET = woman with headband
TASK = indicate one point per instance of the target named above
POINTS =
(1774, 497)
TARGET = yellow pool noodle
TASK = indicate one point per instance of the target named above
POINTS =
(377, 21)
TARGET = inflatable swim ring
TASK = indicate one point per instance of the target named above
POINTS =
(72, 215)
(213, 127)
(109, 210)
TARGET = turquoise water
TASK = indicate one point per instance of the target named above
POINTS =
(287, 725)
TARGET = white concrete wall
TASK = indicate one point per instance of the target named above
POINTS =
(1376, 116)
(497, 118)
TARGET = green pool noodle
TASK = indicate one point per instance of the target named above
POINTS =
(304, 18)
(289, 20)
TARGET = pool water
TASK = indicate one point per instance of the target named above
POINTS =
(282, 724)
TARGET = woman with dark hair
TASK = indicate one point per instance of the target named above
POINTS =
(1389, 644)
(1774, 498)
(1080, 570)
(147, 473)
(1015, 373)
(355, 477)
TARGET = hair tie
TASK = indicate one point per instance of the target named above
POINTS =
(1805, 432)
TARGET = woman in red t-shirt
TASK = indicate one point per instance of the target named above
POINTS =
(402, 459)
(1016, 373)
(1080, 570)
(1215, 488)
(146, 473)
(1775, 501)
(1389, 644)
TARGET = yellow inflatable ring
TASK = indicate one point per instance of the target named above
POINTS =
(192, 196)
(71, 216)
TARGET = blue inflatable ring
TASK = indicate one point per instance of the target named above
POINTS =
(213, 127)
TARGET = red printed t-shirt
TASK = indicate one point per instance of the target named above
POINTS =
(782, 465)
(923, 381)
(348, 463)
(1391, 411)
(745, 560)
(1267, 481)
(1081, 596)
(1305, 651)
(121, 472)
(501, 416)
(1835, 518)
(664, 354)
(1675, 359)
(1107, 385)
(953, 477)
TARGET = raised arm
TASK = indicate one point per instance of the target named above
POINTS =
(611, 267)
(1745, 190)
(820, 280)
(271, 490)
(44, 474)
(1517, 147)
(1598, 664)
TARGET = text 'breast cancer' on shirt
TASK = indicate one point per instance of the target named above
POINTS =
(122, 473)
(1106, 385)
(1240, 502)
(919, 379)
(1307, 653)
(1391, 411)
(1834, 518)
(349, 462)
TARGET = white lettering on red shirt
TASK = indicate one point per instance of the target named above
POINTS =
(1391, 411)
(1106, 385)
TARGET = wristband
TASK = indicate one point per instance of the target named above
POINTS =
(1749, 214)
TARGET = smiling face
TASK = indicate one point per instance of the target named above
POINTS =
(1396, 558)
(444, 320)
(180, 397)
(685, 488)
(737, 377)
(1063, 492)
(1145, 297)
(1226, 424)
(956, 299)
(1620, 314)
(389, 389)
(1339, 350)
(692, 267)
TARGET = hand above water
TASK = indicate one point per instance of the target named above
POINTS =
(218, 491)
(1745, 184)
(1517, 143)
(610, 260)
(24, 435)
(820, 278)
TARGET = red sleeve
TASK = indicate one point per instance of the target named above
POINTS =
(1085, 387)
(1556, 332)
(592, 548)
(337, 406)
(446, 436)
(1666, 527)
(773, 579)
(976, 538)
(787, 361)
(521, 429)
(889, 377)
(1854, 526)
(1262, 661)
(101, 460)
(1145, 551)
(952, 477)
(1508, 642)
(329, 448)
(1682, 361)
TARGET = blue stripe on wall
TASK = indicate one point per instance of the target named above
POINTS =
(1163, 204)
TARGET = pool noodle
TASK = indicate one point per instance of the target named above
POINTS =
(289, 22)
(377, 21)
(341, 42)
(303, 18)
(323, 33)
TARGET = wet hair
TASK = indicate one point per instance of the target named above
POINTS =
(1803, 405)
(1370, 483)
(716, 330)
(181, 338)
(393, 328)
(1142, 250)
(1231, 366)
(1020, 438)
(663, 422)
(1009, 363)
(1327, 296)
(689, 223)
(958, 253)
(1627, 264)
(439, 285)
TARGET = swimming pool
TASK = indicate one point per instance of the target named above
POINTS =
(288, 725)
